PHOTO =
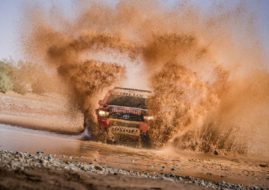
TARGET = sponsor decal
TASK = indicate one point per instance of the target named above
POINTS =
(125, 130)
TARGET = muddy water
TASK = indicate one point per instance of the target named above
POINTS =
(19, 139)
(216, 168)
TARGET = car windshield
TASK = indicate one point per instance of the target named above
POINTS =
(128, 101)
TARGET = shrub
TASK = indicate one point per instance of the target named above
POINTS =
(6, 83)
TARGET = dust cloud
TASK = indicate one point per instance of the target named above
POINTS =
(207, 71)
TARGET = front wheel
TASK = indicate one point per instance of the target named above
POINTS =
(145, 140)
(102, 135)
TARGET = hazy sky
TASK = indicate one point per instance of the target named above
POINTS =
(12, 15)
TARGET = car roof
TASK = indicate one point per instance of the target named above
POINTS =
(131, 92)
(131, 89)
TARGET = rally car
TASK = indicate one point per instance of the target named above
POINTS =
(123, 116)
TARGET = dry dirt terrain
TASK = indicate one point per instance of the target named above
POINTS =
(35, 159)
(49, 112)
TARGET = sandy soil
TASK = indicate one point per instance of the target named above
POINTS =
(49, 112)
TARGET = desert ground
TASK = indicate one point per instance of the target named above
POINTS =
(48, 112)
(42, 147)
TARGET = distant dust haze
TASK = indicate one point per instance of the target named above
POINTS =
(207, 72)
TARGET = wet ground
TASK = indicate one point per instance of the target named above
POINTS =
(40, 171)
(215, 168)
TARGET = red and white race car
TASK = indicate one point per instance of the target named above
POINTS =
(123, 115)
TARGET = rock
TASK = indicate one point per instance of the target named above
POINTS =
(202, 183)
(39, 152)
(98, 168)
(40, 161)
(50, 158)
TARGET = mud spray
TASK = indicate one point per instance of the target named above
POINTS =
(207, 71)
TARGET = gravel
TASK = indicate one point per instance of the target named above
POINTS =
(19, 161)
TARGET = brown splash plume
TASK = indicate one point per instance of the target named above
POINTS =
(178, 102)
(181, 100)
(197, 66)
(89, 79)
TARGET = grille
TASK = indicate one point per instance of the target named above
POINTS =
(127, 116)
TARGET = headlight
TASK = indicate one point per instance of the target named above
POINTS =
(103, 113)
(148, 118)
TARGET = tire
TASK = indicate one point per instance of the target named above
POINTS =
(102, 135)
(92, 131)
(145, 140)
(87, 133)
